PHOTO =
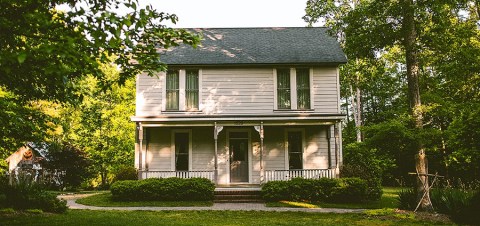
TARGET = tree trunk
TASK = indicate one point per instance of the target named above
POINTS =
(410, 36)
(357, 107)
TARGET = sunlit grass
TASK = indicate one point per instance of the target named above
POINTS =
(388, 200)
(105, 199)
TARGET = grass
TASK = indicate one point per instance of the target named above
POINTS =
(388, 200)
(105, 199)
(91, 217)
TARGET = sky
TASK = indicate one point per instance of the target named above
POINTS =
(233, 13)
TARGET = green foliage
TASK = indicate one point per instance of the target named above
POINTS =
(24, 196)
(126, 173)
(461, 205)
(50, 49)
(343, 190)
(67, 165)
(163, 189)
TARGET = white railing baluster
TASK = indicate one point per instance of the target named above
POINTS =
(281, 175)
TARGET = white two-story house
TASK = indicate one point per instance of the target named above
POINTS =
(249, 105)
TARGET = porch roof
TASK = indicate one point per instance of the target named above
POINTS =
(240, 120)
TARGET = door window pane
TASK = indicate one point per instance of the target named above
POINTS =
(172, 90)
(295, 153)
(283, 88)
(303, 88)
(181, 151)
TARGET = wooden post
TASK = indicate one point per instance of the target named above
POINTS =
(216, 131)
(329, 147)
(140, 154)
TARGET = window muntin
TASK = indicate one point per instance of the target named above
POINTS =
(191, 90)
(172, 89)
(295, 150)
(283, 89)
(303, 88)
(182, 145)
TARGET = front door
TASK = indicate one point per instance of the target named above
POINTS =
(238, 146)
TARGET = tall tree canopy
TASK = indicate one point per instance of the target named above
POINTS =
(45, 53)
(439, 43)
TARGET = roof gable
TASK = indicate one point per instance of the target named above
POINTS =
(233, 46)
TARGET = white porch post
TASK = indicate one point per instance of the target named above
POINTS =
(140, 155)
(260, 130)
(216, 131)
(337, 164)
(329, 146)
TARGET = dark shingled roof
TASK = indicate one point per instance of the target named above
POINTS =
(233, 46)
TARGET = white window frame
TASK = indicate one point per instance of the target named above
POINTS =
(287, 160)
(182, 73)
(293, 90)
(172, 147)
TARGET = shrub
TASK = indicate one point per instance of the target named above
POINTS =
(349, 190)
(23, 197)
(313, 190)
(462, 206)
(163, 189)
(126, 173)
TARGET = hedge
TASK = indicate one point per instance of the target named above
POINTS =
(163, 189)
(343, 190)
(24, 196)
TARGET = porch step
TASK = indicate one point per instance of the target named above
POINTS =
(237, 196)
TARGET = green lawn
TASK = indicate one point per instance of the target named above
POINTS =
(388, 200)
(141, 218)
(105, 199)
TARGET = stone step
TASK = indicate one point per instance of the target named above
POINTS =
(238, 196)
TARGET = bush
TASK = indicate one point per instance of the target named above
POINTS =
(126, 173)
(407, 199)
(23, 197)
(163, 189)
(352, 190)
(462, 206)
(314, 190)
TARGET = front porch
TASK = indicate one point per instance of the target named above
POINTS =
(243, 150)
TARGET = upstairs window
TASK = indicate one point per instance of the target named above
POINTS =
(303, 88)
(182, 90)
(293, 89)
(283, 88)
(191, 90)
(172, 89)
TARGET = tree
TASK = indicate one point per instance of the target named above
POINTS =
(67, 164)
(371, 27)
(44, 52)
(101, 124)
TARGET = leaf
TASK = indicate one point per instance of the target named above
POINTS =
(22, 57)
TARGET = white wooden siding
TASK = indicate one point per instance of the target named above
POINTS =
(325, 90)
(159, 153)
(239, 91)
(149, 95)
(274, 148)
(316, 148)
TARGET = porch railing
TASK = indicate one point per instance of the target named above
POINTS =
(276, 175)
(180, 174)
